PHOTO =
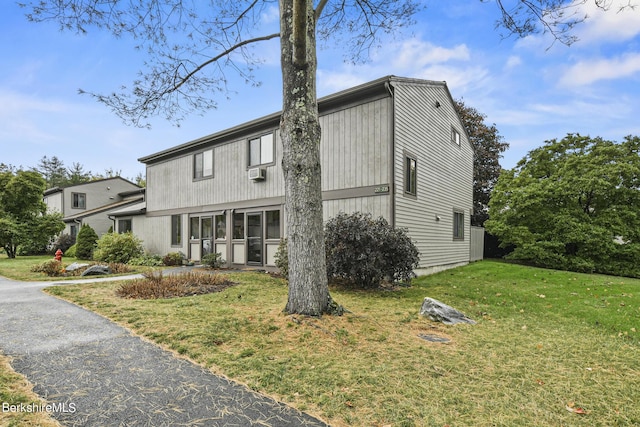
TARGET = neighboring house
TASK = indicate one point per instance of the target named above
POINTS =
(90, 202)
(394, 147)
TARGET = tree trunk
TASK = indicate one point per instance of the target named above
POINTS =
(300, 133)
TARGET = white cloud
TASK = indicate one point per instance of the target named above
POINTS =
(513, 61)
(410, 58)
(589, 71)
(608, 25)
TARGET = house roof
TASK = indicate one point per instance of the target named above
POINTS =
(134, 209)
(53, 190)
(377, 88)
(103, 209)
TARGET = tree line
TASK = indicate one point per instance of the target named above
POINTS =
(56, 174)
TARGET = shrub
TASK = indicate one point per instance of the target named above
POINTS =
(213, 260)
(147, 260)
(71, 251)
(86, 242)
(51, 268)
(155, 285)
(365, 251)
(282, 258)
(172, 258)
(116, 247)
(63, 242)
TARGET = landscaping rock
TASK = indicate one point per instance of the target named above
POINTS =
(75, 266)
(96, 270)
(440, 312)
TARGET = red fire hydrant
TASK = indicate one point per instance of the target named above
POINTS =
(58, 256)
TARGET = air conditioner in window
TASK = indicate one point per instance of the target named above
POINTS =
(257, 174)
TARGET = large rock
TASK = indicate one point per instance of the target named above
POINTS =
(440, 312)
(74, 266)
(96, 270)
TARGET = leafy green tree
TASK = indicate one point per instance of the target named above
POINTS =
(573, 204)
(192, 45)
(488, 145)
(86, 242)
(24, 221)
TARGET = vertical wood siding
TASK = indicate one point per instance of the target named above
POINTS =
(444, 170)
(375, 205)
(354, 153)
(355, 146)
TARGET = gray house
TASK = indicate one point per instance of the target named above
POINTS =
(90, 202)
(394, 147)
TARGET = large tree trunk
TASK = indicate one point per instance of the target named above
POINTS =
(300, 133)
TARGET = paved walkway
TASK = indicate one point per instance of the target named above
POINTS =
(98, 374)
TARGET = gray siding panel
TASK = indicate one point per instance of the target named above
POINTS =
(445, 173)
(354, 146)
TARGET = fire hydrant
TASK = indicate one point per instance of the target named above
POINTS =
(58, 256)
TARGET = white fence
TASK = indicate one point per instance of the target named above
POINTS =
(476, 251)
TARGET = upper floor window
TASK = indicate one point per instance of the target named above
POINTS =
(410, 175)
(79, 200)
(455, 136)
(261, 150)
(203, 164)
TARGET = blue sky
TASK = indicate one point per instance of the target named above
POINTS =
(531, 88)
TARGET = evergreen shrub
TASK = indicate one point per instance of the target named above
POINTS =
(86, 242)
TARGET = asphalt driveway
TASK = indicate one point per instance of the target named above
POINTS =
(97, 374)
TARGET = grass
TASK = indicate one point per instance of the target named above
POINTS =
(16, 390)
(546, 343)
(19, 268)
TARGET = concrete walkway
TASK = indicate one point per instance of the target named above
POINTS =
(98, 374)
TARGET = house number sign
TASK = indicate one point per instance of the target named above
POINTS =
(381, 189)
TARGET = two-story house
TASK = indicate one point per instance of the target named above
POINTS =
(90, 202)
(394, 147)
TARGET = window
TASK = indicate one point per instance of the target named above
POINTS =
(207, 227)
(458, 225)
(79, 200)
(203, 164)
(261, 150)
(455, 136)
(194, 228)
(273, 224)
(176, 230)
(124, 225)
(238, 226)
(73, 230)
(410, 176)
(221, 226)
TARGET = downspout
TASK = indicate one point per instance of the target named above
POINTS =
(392, 149)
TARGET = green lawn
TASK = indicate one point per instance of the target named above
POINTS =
(548, 345)
(19, 268)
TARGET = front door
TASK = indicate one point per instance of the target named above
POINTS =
(254, 238)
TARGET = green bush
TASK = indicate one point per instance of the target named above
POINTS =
(173, 258)
(118, 247)
(213, 260)
(86, 242)
(282, 258)
(365, 251)
(147, 260)
(71, 252)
